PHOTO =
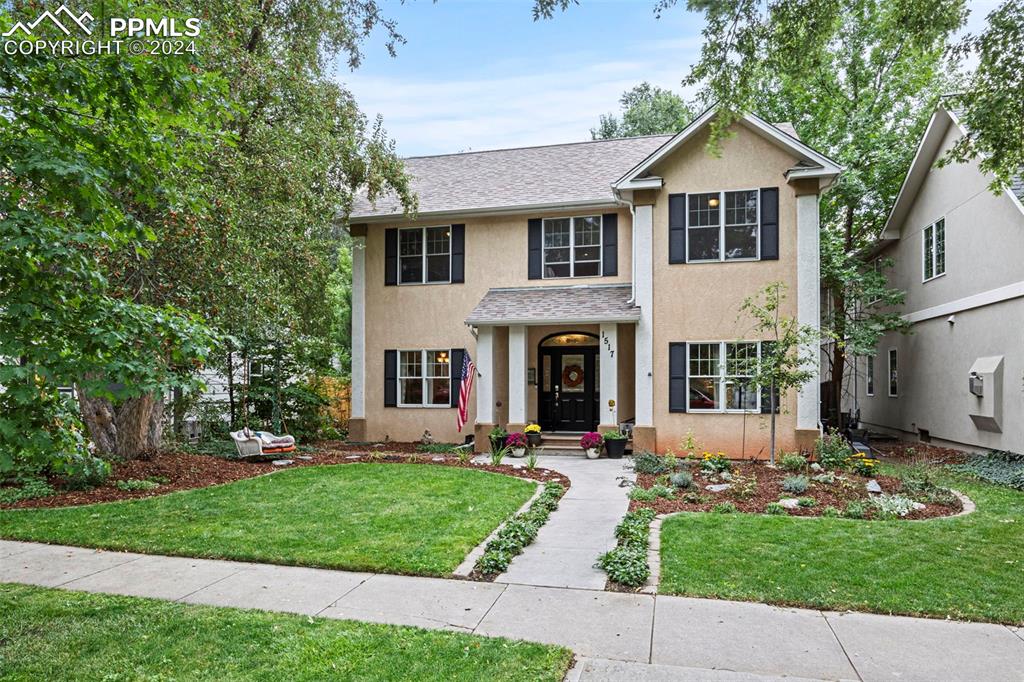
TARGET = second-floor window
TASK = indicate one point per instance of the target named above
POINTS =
(425, 255)
(935, 249)
(572, 247)
(722, 226)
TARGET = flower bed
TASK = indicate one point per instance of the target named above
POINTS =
(756, 488)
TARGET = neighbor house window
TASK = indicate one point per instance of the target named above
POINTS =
(425, 255)
(424, 378)
(572, 247)
(894, 387)
(720, 376)
(722, 226)
(934, 258)
(869, 373)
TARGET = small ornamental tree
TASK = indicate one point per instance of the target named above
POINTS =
(789, 350)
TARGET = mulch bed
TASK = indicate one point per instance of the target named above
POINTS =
(185, 471)
(919, 453)
(769, 489)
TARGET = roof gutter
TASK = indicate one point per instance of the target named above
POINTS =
(484, 211)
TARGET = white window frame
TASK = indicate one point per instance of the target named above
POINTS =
(890, 377)
(722, 380)
(869, 374)
(423, 255)
(931, 256)
(424, 377)
(572, 247)
(721, 227)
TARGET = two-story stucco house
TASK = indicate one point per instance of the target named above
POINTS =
(958, 376)
(593, 283)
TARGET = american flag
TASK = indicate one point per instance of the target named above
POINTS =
(468, 371)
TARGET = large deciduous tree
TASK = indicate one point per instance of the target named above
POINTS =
(646, 110)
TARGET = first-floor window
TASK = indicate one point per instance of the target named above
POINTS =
(893, 383)
(424, 378)
(720, 376)
(869, 372)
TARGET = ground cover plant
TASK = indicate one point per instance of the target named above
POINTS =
(58, 635)
(519, 532)
(968, 567)
(626, 564)
(415, 519)
(1005, 468)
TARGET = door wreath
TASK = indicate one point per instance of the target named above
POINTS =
(572, 376)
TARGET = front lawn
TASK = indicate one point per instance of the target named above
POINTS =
(56, 635)
(393, 518)
(969, 567)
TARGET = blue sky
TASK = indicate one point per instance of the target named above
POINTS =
(481, 74)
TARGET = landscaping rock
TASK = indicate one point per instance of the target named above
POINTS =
(304, 458)
(437, 459)
(282, 462)
(816, 467)
(725, 476)
(918, 506)
(718, 487)
(873, 487)
(352, 457)
(790, 503)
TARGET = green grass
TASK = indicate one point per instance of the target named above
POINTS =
(969, 567)
(394, 518)
(56, 635)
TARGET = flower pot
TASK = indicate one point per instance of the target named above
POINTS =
(593, 453)
(615, 447)
(533, 439)
(519, 452)
(497, 443)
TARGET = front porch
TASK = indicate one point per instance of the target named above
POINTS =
(560, 357)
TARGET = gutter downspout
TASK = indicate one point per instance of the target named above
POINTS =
(632, 245)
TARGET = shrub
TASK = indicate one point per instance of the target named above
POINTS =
(828, 478)
(591, 440)
(716, 463)
(998, 466)
(792, 461)
(775, 509)
(744, 487)
(892, 505)
(856, 510)
(30, 489)
(652, 493)
(806, 502)
(614, 435)
(681, 480)
(725, 508)
(830, 512)
(671, 461)
(694, 497)
(85, 471)
(134, 484)
(832, 450)
(796, 484)
(626, 565)
(437, 448)
(649, 463)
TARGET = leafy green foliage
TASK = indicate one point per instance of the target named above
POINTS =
(892, 505)
(724, 508)
(1005, 468)
(856, 510)
(832, 450)
(681, 480)
(28, 489)
(775, 509)
(806, 502)
(646, 110)
(715, 463)
(437, 448)
(649, 463)
(83, 471)
(519, 531)
(792, 461)
(796, 484)
(831, 512)
(135, 484)
(626, 564)
(652, 493)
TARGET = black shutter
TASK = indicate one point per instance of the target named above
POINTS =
(678, 389)
(767, 347)
(610, 244)
(458, 254)
(770, 223)
(390, 378)
(455, 365)
(391, 257)
(676, 228)
(536, 252)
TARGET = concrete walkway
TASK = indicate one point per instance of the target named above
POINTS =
(579, 531)
(616, 636)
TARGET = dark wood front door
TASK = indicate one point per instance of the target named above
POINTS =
(568, 389)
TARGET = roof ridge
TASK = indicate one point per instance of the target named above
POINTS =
(537, 146)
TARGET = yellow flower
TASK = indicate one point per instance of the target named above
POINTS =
(532, 428)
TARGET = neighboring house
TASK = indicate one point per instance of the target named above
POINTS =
(958, 377)
(593, 283)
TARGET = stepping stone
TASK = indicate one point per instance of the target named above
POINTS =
(718, 487)
(282, 462)
(790, 503)
(873, 487)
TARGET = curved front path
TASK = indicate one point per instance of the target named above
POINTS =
(579, 531)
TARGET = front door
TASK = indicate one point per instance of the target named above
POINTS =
(568, 389)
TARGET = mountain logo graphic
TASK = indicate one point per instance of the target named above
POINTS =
(54, 18)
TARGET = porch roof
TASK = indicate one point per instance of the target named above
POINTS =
(576, 304)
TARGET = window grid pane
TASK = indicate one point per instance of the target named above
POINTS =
(438, 241)
(929, 255)
(702, 213)
(940, 247)
(870, 375)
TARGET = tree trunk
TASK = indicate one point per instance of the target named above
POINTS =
(839, 303)
(131, 428)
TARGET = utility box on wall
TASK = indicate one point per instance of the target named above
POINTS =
(985, 393)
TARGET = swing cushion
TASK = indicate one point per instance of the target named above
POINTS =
(274, 451)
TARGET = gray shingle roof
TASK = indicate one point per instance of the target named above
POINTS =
(575, 173)
(538, 305)
(1017, 187)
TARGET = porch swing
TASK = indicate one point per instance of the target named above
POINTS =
(256, 445)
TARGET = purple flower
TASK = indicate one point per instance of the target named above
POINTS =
(516, 440)
(591, 440)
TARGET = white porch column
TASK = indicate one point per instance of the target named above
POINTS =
(517, 361)
(644, 298)
(609, 374)
(808, 294)
(358, 328)
(485, 375)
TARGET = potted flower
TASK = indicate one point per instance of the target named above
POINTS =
(497, 437)
(591, 443)
(533, 435)
(615, 444)
(516, 442)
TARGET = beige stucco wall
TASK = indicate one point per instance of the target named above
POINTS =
(701, 301)
(432, 315)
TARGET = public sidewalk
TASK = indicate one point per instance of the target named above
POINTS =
(617, 636)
